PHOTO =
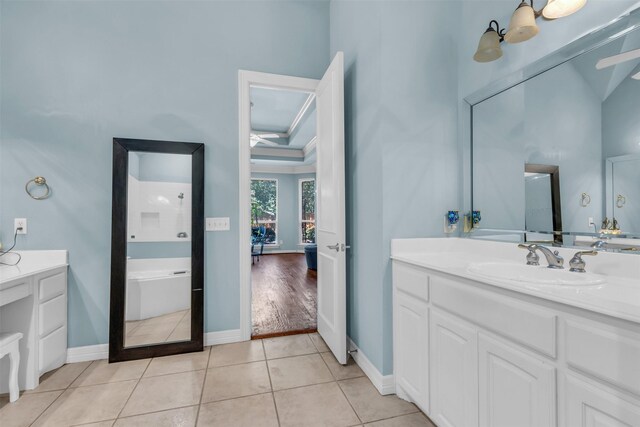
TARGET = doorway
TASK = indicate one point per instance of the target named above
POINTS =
(283, 211)
(263, 148)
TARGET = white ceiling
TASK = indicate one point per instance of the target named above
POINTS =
(605, 81)
(290, 113)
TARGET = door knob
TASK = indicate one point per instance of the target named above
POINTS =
(345, 247)
(336, 247)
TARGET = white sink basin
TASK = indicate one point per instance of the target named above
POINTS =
(539, 275)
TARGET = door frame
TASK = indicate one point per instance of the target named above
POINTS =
(247, 80)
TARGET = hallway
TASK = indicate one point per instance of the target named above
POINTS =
(284, 296)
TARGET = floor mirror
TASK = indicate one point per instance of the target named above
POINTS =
(157, 269)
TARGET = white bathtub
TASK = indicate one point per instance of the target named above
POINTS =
(154, 292)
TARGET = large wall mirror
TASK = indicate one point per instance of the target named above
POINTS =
(157, 249)
(555, 149)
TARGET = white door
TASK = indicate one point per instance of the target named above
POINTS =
(454, 371)
(516, 388)
(330, 223)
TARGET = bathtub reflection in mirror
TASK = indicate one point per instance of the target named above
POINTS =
(158, 283)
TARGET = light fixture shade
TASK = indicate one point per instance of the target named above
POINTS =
(489, 47)
(523, 24)
(561, 8)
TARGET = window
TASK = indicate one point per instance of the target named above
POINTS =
(264, 210)
(307, 202)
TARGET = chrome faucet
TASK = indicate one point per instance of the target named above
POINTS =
(553, 257)
(599, 244)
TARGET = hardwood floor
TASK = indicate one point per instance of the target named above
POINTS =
(284, 296)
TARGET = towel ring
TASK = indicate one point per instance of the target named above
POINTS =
(585, 200)
(621, 201)
(39, 181)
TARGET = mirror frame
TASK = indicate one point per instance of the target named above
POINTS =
(121, 147)
(556, 207)
(600, 36)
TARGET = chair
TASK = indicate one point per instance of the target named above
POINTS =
(9, 344)
(256, 250)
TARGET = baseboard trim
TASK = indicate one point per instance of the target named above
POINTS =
(384, 383)
(87, 353)
(282, 251)
(101, 351)
(222, 337)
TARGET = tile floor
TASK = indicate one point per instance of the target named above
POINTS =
(170, 327)
(286, 381)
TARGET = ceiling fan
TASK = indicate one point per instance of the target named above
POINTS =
(256, 138)
(618, 59)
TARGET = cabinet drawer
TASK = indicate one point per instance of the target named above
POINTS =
(525, 323)
(608, 353)
(411, 280)
(15, 292)
(52, 315)
(53, 350)
(52, 286)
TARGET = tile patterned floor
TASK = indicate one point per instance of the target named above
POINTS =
(287, 381)
(170, 327)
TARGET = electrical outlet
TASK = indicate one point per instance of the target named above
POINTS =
(20, 223)
(591, 223)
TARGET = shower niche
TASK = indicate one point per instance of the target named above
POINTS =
(159, 194)
(157, 245)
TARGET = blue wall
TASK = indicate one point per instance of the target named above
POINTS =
(77, 74)
(620, 124)
(143, 250)
(161, 167)
(401, 142)
(287, 208)
(530, 124)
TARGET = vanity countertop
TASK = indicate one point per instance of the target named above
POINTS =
(618, 297)
(32, 262)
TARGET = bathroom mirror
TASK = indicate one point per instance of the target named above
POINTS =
(574, 113)
(157, 245)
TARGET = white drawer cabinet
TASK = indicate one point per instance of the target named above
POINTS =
(587, 404)
(516, 388)
(36, 305)
(454, 371)
(411, 320)
(500, 358)
(51, 287)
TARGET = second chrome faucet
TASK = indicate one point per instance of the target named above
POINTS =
(553, 257)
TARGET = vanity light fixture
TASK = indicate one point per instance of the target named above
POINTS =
(560, 8)
(522, 26)
(489, 46)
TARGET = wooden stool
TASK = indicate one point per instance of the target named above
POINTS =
(9, 344)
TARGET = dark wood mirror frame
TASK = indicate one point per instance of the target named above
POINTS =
(554, 173)
(121, 147)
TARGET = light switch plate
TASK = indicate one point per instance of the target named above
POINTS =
(217, 224)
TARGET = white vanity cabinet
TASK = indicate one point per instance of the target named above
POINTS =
(33, 301)
(454, 370)
(516, 387)
(499, 358)
(51, 289)
(411, 321)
